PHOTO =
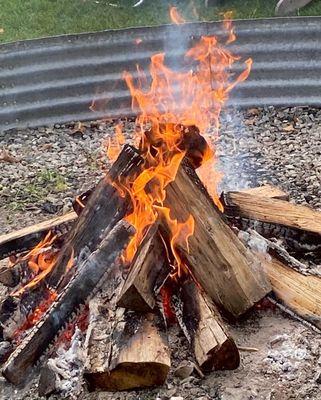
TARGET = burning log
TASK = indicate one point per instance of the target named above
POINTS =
(229, 274)
(79, 288)
(126, 349)
(146, 275)
(26, 238)
(272, 210)
(201, 323)
(104, 209)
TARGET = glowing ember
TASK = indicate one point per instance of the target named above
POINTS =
(36, 315)
(193, 99)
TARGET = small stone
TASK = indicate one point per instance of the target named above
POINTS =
(184, 370)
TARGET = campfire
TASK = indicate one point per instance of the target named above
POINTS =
(154, 244)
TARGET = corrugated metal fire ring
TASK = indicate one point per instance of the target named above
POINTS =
(54, 80)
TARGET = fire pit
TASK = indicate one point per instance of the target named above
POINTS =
(150, 246)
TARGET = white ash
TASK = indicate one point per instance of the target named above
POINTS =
(254, 242)
(68, 365)
(285, 355)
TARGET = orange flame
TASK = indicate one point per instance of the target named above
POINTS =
(175, 16)
(192, 98)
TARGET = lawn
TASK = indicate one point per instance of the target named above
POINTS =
(25, 19)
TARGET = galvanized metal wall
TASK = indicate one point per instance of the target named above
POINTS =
(56, 79)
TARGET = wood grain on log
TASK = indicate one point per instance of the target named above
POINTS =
(246, 205)
(270, 191)
(77, 291)
(301, 293)
(201, 323)
(147, 273)
(228, 272)
(126, 349)
(26, 238)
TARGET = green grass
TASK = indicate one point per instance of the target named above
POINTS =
(26, 19)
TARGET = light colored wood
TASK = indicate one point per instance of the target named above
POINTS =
(146, 275)
(229, 274)
(300, 293)
(203, 327)
(269, 191)
(24, 239)
(272, 211)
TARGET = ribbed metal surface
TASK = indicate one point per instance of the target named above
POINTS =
(55, 79)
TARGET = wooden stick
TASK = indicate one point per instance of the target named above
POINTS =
(26, 238)
(229, 274)
(201, 323)
(147, 273)
(79, 288)
(246, 205)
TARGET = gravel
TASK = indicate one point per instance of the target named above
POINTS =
(43, 169)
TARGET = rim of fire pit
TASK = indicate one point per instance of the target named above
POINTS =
(55, 79)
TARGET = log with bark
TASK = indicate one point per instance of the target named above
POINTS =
(76, 293)
(204, 329)
(228, 272)
(147, 273)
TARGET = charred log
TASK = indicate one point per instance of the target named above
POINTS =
(79, 288)
(204, 329)
(104, 209)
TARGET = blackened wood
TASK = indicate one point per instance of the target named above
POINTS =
(147, 273)
(104, 209)
(203, 327)
(26, 238)
(10, 276)
(77, 291)
(228, 272)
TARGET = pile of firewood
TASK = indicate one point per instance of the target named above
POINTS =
(126, 336)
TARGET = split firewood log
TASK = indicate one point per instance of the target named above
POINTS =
(270, 191)
(204, 329)
(126, 349)
(147, 273)
(228, 272)
(75, 293)
(26, 238)
(103, 210)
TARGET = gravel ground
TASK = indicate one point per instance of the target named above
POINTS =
(43, 169)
